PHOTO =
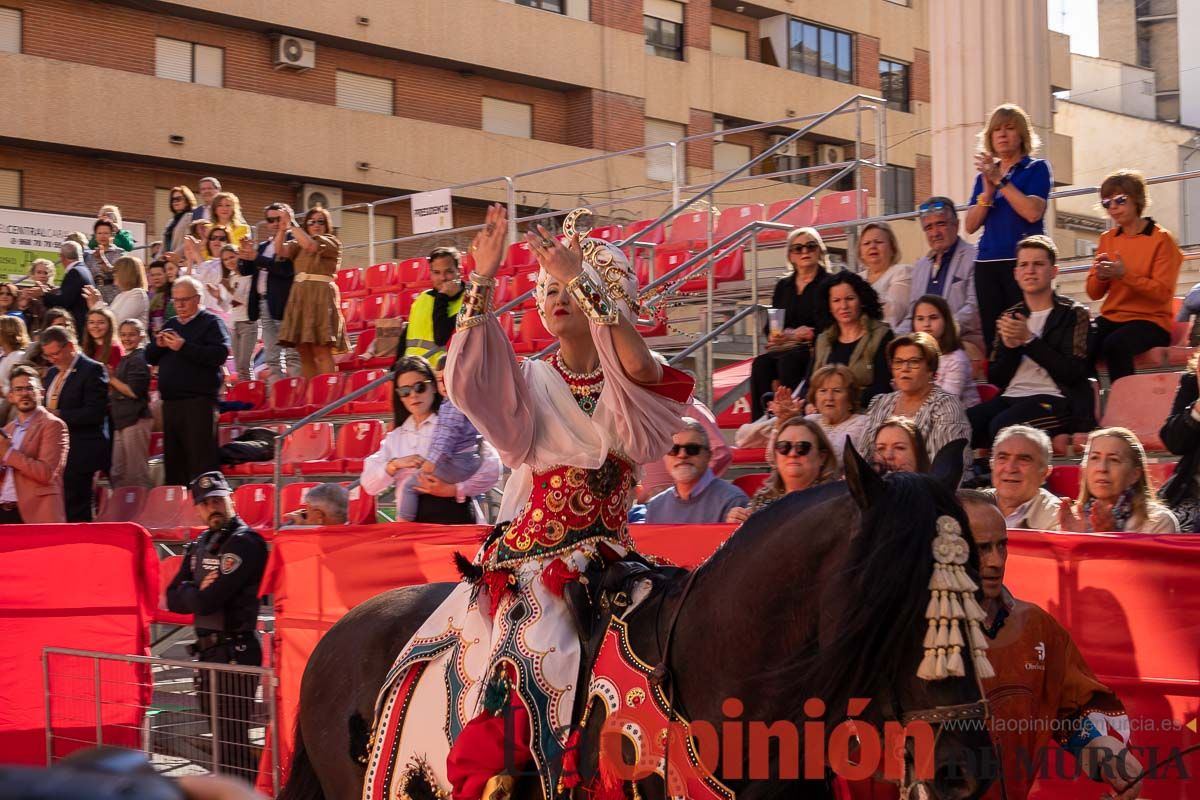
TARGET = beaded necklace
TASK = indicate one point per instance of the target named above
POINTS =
(585, 387)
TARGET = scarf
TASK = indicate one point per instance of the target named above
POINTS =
(1122, 510)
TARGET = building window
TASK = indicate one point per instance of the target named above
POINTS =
(189, 62)
(822, 52)
(355, 231)
(10, 30)
(10, 188)
(365, 93)
(728, 156)
(663, 23)
(1143, 46)
(729, 42)
(897, 190)
(508, 118)
(658, 161)
(545, 5)
(893, 83)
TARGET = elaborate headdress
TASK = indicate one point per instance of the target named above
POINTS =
(613, 274)
(952, 601)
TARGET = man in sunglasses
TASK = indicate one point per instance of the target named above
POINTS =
(269, 291)
(698, 496)
(947, 270)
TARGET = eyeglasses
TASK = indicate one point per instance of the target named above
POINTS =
(934, 205)
(178, 197)
(315, 222)
(907, 363)
(218, 239)
(785, 448)
(809, 247)
(1120, 200)
(22, 389)
(273, 219)
(186, 299)
(416, 388)
(691, 449)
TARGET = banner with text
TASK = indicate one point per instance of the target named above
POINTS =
(431, 211)
(28, 235)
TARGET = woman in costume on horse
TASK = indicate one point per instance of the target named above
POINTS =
(573, 428)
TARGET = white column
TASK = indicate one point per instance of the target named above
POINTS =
(983, 53)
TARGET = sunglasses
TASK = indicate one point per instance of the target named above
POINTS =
(178, 197)
(218, 239)
(810, 247)
(690, 449)
(934, 205)
(801, 448)
(1119, 200)
(273, 219)
(416, 388)
(315, 222)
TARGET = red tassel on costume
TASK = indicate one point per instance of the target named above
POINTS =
(570, 778)
(607, 785)
(557, 575)
(499, 582)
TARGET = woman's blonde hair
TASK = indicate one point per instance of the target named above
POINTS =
(1003, 114)
(237, 219)
(116, 215)
(828, 371)
(130, 271)
(13, 333)
(922, 341)
(816, 236)
(1143, 492)
(888, 233)
(773, 488)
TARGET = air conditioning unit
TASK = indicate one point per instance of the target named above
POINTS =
(790, 149)
(313, 194)
(292, 52)
(830, 154)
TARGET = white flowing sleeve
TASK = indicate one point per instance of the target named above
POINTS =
(374, 478)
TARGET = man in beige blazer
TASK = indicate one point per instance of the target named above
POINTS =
(33, 453)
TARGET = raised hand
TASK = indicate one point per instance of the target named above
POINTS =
(562, 263)
(488, 245)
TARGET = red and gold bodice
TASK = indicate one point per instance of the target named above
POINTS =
(568, 505)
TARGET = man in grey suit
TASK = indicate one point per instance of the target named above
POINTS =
(948, 270)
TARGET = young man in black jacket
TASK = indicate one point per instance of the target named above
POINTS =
(1039, 358)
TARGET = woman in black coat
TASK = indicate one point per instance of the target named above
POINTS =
(1181, 434)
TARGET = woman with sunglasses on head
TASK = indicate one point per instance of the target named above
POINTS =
(429, 436)
(798, 295)
(803, 458)
(182, 202)
(312, 320)
(573, 427)
(858, 336)
(1135, 270)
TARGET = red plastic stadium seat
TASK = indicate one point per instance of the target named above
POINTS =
(168, 513)
(254, 392)
(664, 262)
(380, 278)
(352, 312)
(523, 282)
(413, 273)
(802, 216)
(311, 443)
(690, 229)
(355, 441)
(293, 496)
(749, 455)
(350, 283)
(376, 401)
(731, 267)
(751, 483)
(381, 306)
(362, 507)
(520, 258)
(609, 233)
(156, 444)
(255, 504)
(168, 568)
(124, 505)
(287, 395)
(322, 390)
(738, 217)
(532, 336)
(987, 392)
(838, 207)
(348, 362)
(1064, 481)
(633, 232)
(1141, 403)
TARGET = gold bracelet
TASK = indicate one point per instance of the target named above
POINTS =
(985, 203)
(476, 303)
(593, 300)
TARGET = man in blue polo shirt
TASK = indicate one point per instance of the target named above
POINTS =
(697, 496)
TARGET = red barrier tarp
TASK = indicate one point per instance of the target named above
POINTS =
(84, 587)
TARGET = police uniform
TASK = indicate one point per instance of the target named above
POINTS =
(219, 583)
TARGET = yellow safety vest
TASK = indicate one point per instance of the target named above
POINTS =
(419, 334)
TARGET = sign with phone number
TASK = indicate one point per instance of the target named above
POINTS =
(29, 235)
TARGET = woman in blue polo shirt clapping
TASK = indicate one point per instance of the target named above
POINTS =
(1009, 203)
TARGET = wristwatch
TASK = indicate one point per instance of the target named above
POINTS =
(1005, 181)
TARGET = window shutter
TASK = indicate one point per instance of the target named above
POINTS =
(210, 65)
(507, 118)
(354, 231)
(365, 93)
(669, 10)
(728, 42)
(10, 30)
(728, 156)
(658, 162)
(173, 59)
(10, 188)
(162, 213)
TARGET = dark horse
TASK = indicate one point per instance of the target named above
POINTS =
(822, 594)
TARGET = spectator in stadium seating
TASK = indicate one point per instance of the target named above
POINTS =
(939, 416)
(227, 214)
(33, 453)
(787, 359)
(656, 475)
(1009, 203)
(1135, 270)
(803, 459)
(77, 393)
(431, 319)
(120, 237)
(14, 338)
(415, 404)
(469, 490)
(133, 301)
(190, 352)
(70, 295)
(101, 257)
(244, 330)
(312, 321)
(33, 353)
(947, 270)
(931, 314)
(159, 307)
(698, 496)
(879, 254)
(1020, 465)
(858, 336)
(1039, 359)
(213, 270)
(779, 406)
(1115, 493)
(269, 291)
(898, 446)
(129, 398)
(182, 203)
(9, 293)
(1180, 433)
(833, 393)
(100, 339)
(324, 504)
(206, 191)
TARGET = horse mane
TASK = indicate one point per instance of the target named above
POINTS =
(883, 579)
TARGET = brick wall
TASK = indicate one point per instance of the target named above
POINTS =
(918, 75)
(730, 19)
(624, 15)
(866, 61)
(697, 19)
(700, 153)
(923, 178)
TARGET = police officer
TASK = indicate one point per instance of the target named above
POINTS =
(218, 583)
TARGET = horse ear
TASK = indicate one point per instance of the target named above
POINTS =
(865, 483)
(948, 464)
